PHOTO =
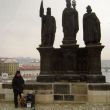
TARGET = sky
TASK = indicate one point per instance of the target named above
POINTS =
(20, 25)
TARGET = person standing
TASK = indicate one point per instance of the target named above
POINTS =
(18, 86)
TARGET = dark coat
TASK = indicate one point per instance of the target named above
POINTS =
(18, 84)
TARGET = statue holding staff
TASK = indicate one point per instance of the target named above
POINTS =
(48, 28)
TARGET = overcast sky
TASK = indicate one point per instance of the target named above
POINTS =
(20, 25)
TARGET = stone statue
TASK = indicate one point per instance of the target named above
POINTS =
(91, 28)
(48, 28)
(70, 23)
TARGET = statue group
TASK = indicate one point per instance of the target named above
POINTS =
(70, 24)
(70, 62)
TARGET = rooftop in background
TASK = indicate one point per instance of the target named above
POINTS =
(8, 60)
(27, 60)
(21, 60)
(24, 67)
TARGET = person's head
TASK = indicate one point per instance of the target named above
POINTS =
(68, 3)
(49, 11)
(89, 10)
(18, 73)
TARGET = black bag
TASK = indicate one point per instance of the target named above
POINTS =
(30, 98)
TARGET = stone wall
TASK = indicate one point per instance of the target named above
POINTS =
(63, 92)
(99, 93)
(6, 94)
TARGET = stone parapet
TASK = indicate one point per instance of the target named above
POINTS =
(99, 93)
(64, 92)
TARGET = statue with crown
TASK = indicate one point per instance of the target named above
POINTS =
(70, 23)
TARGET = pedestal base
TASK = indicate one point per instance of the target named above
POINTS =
(71, 78)
(71, 64)
(61, 92)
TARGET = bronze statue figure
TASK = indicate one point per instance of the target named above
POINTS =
(70, 23)
(91, 28)
(48, 28)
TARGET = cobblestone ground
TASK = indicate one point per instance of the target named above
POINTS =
(10, 106)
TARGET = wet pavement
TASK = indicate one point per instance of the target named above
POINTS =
(10, 106)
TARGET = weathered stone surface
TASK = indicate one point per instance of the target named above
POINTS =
(31, 86)
(44, 91)
(71, 64)
(61, 89)
(79, 88)
(2, 96)
(68, 97)
(97, 97)
(99, 87)
(44, 98)
(75, 93)
(99, 93)
(58, 97)
(80, 98)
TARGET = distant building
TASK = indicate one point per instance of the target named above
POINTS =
(29, 72)
(8, 65)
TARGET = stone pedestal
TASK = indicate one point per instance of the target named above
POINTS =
(58, 64)
(71, 64)
(94, 59)
(94, 64)
(46, 55)
(69, 53)
(89, 64)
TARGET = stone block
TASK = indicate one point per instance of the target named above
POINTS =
(68, 97)
(38, 86)
(7, 85)
(80, 98)
(44, 92)
(97, 97)
(58, 97)
(99, 87)
(31, 86)
(2, 96)
(79, 88)
(10, 91)
(61, 88)
(108, 97)
(41, 98)
(9, 97)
